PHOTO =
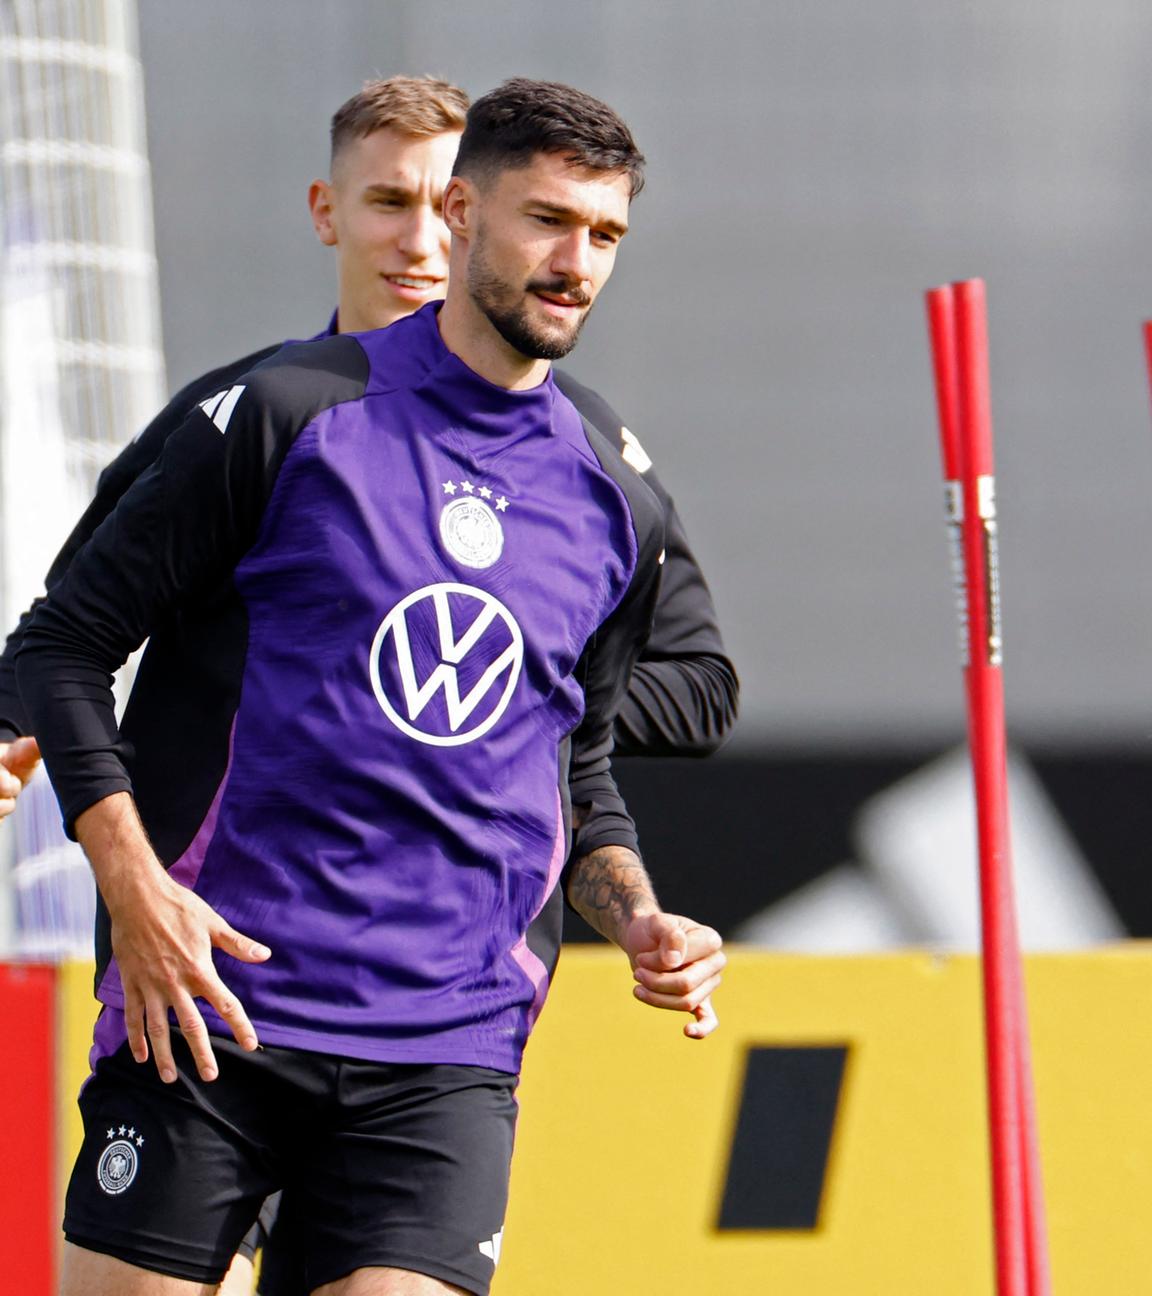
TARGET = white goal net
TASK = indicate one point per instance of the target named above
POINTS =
(81, 366)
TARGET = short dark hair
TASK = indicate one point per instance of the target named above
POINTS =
(520, 119)
(417, 106)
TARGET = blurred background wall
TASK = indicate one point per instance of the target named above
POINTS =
(813, 168)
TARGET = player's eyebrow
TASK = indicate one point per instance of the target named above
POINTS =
(570, 213)
(390, 191)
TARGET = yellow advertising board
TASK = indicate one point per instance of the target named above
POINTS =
(828, 1140)
(629, 1131)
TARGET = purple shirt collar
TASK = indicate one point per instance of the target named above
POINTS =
(412, 353)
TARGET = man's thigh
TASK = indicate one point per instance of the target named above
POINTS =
(240, 1280)
(410, 1175)
(88, 1273)
(388, 1282)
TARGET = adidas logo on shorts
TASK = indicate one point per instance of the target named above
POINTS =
(492, 1248)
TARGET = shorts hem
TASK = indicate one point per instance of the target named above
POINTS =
(319, 1274)
(248, 1248)
(131, 1253)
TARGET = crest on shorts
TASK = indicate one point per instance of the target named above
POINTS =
(119, 1161)
(469, 527)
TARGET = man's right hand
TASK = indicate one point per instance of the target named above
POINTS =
(18, 761)
(163, 935)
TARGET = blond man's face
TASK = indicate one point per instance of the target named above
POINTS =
(382, 211)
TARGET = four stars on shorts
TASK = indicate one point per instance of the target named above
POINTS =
(130, 1131)
(470, 488)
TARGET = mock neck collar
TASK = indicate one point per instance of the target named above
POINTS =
(487, 395)
(440, 375)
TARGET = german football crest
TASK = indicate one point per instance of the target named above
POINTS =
(469, 527)
(119, 1161)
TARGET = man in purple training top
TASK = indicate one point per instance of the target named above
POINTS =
(393, 144)
(393, 585)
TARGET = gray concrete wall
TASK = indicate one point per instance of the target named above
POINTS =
(813, 167)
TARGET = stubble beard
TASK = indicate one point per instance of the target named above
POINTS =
(509, 316)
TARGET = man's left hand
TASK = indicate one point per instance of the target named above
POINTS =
(677, 965)
(18, 761)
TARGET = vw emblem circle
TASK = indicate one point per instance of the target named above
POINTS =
(487, 655)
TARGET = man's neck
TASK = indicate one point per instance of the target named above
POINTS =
(468, 334)
(348, 321)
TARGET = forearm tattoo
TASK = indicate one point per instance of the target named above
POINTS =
(608, 888)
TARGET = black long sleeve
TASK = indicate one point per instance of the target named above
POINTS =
(169, 545)
(606, 666)
(138, 455)
(684, 693)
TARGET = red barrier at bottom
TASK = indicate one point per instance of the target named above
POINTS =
(28, 1211)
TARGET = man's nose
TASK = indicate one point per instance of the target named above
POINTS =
(424, 233)
(571, 257)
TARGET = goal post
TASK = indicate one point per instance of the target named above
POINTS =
(81, 364)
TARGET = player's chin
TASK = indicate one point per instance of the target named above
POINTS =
(556, 337)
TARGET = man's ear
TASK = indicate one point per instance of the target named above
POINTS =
(320, 205)
(460, 206)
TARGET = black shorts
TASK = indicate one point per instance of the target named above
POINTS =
(281, 1263)
(385, 1164)
(257, 1236)
(276, 1237)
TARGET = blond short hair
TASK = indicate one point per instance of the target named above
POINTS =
(417, 106)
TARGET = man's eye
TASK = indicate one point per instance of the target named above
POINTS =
(604, 238)
(548, 220)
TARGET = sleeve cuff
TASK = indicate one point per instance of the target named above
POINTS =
(86, 799)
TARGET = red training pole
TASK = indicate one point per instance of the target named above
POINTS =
(987, 741)
(1148, 346)
(942, 336)
(986, 703)
(958, 331)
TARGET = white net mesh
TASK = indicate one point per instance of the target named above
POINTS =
(81, 367)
